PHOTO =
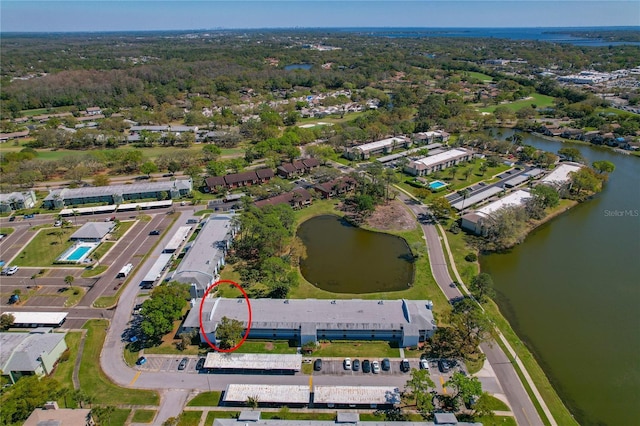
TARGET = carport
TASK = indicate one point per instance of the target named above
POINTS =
(219, 362)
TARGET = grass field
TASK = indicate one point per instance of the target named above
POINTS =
(121, 229)
(143, 416)
(102, 249)
(75, 294)
(266, 347)
(189, 418)
(45, 248)
(93, 379)
(205, 399)
(64, 370)
(6, 231)
(479, 76)
(212, 415)
(357, 349)
(540, 101)
(96, 270)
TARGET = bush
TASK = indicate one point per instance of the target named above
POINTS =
(471, 257)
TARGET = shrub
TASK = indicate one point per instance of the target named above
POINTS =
(471, 257)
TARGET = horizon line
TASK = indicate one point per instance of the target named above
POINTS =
(636, 27)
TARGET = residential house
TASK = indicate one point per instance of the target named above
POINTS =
(26, 354)
(17, 201)
(383, 146)
(4, 137)
(437, 162)
(94, 111)
(575, 134)
(236, 180)
(297, 198)
(52, 415)
(297, 168)
(339, 186)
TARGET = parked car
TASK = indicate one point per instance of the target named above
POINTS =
(317, 365)
(200, 364)
(29, 216)
(356, 365)
(366, 366)
(12, 270)
(183, 363)
(14, 298)
(424, 364)
(375, 367)
(347, 363)
(154, 232)
(404, 365)
(57, 223)
(444, 366)
(141, 360)
(386, 364)
(12, 218)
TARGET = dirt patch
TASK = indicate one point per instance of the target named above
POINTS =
(392, 216)
(268, 346)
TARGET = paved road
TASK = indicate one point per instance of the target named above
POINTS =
(519, 400)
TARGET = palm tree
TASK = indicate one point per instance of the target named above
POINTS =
(465, 193)
(253, 401)
(69, 279)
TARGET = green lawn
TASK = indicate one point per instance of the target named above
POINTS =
(479, 76)
(143, 416)
(96, 270)
(212, 415)
(119, 416)
(190, 418)
(45, 248)
(494, 403)
(268, 347)
(64, 370)
(540, 101)
(205, 399)
(372, 417)
(75, 294)
(355, 349)
(102, 249)
(497, 421)
(121, 228)
(93, 379)
(6, 231)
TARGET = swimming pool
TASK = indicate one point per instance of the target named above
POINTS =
(437, 184)
(78, 252)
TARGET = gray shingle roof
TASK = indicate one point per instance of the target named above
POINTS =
(93, 230)
(20, 351)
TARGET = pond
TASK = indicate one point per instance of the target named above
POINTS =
(342, 258)
(298, 67)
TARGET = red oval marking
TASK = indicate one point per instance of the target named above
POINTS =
(246, 333)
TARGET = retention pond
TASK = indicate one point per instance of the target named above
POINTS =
(342, 258)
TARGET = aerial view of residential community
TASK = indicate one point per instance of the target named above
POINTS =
(261, 213)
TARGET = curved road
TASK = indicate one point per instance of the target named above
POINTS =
(519, 400)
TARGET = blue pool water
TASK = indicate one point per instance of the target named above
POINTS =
(436, 184)
(78, 253)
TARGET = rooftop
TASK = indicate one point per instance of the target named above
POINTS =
(93, 230)
(235, 361)
(354, 314)
(20, 351)
(360, 395)
(22, 317)
(371, 146)
(560, 174)
(432, 160)
(516, 198)
(101, 191)
(285, 394)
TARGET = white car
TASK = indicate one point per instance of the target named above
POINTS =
(347, 363)
(424, 364)
(375, 367)
(58, 223)
(12, 270)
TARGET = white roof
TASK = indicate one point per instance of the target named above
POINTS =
(379, 144)
(443, 157)
(268, 393)
(38, 317)
(84, 210)
(514, 199)
(561, 173)
(220, 360)
(356, 395)
(157, 268)
(178, 238)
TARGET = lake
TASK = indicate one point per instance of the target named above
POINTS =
(571, 291)
(291, 67)
(342, 258)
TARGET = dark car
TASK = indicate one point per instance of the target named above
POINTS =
(200, 364)
(444, 366)
(14, 298)
(356, 365)
(183, 363)
(317, 365)
(29, 216)
(154, 232)
(366, 366)
(386, 364)
(141, 360)
(404, 365)
(12, 218)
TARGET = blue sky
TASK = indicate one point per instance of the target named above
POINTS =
(116, 15)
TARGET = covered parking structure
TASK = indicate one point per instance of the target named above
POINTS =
(37, 319)
(377, 397)
(220, 362)
(294, 396)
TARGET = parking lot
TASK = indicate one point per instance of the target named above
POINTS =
(169, 363)
(336, 367)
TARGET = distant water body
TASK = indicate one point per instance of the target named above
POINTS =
(551, 35)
